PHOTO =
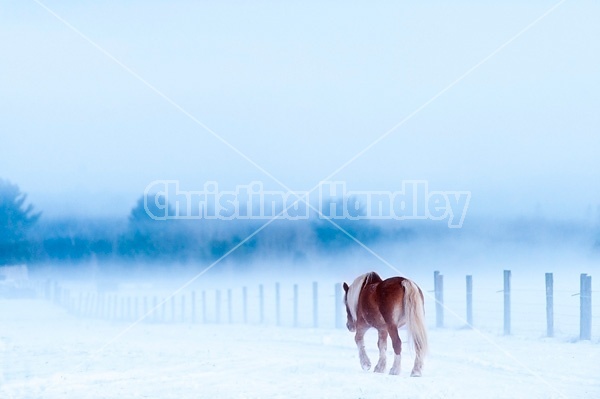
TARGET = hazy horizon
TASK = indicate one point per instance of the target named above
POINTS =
(300, 90)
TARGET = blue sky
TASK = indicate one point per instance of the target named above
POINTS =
(300, 89)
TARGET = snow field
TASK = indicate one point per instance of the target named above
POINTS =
(48, 353)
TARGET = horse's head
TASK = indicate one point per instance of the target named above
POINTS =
(350, 323)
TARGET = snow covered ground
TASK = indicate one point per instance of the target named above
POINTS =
(47, 353)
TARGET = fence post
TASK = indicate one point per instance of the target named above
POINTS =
(549, 305)
(277, 305)
(438, 284)
(589, 304)
(80, 305)
(105, 306)
(48, 290)
(183, 308)
(123, 314)
(338, 305)
(65, 300)
(164, 310)
(261, 303)
(315, 304)
(245, 303)
(204, 307)
(108, 305)
(218, 306)
(507, 302)
(56, 293)
(145, 314)
(173, 309)
(115, 307)
(229, 306)
(155, 309)
(295, 305)
(96, 306)
(585, 303)
(193, 307)
(101, 305)
(470, 301)
(85, 304)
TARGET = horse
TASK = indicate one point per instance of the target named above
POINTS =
(386, 305)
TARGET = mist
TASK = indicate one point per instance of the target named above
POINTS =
(300, 90)
(185, 187)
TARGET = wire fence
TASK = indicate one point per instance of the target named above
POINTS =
(526, 308)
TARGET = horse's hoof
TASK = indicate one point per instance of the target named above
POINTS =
(415, 373)
(379, 369)
(366, 366)
(394, 371)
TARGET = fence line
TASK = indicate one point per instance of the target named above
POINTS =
(207, 306)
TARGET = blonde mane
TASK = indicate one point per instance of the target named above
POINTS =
(354, 293)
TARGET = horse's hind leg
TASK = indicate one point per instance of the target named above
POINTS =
(416, 371)
(382, 345)
(365, 363)
(397, 344)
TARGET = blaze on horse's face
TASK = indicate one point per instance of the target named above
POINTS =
(350, 323)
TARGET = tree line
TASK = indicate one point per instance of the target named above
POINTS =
(27, 237)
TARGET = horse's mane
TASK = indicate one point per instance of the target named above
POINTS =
(355, 289)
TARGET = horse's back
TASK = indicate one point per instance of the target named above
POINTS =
(390, 298)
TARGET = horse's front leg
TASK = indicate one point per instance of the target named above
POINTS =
(365, 363)
(382, 345)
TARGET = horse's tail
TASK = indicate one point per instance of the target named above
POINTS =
(414, 310)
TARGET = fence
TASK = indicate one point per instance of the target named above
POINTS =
(319, 305)
(283, 305)
(508, 304)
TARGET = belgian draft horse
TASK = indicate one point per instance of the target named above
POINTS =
(386, 305)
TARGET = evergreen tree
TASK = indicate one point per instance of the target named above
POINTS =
(16, 220)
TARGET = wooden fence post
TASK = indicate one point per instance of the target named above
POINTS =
(193, 307)
(438, 284)
(229, 306)
(56, 293)
(315, 304)
(115, 307)
(549, 305)
(295, 305)
(86, 302)
(48, 290)
(155, 309)
(123, 309)
(585, 303)
(261, 303)
(183, 308)
(470, 301)
(96, 308)
(218, 306)
(204, 318)
(277, 305)
(245, 303)
(172, 300)
(108, 305)
(145, 309)
(338, 306)
(507, 276)
(80, 305)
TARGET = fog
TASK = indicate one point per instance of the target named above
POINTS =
(300, 90)
(155, 158)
